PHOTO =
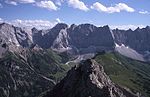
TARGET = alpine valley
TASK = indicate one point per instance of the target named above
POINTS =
(74, 61)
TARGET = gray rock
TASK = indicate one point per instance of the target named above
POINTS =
(138, 39)
(14, 36)
(45, 38)
(88, 80)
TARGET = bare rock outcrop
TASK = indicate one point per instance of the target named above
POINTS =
(88, 80)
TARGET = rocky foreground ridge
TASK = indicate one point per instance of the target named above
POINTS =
(88, 80)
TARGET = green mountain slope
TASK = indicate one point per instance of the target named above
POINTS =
(30, 72)
(126, 72)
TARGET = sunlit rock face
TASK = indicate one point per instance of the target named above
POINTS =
(14, 37)
(45, 38)
(88, 80)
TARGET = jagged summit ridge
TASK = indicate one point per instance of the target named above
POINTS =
(88, 80)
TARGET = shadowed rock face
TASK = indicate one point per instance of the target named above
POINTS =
(87, 35)
(88, 80)
(138, 39)
(45, 38)
(89, 38)
(85, 38)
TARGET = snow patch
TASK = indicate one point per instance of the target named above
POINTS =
(117, 45)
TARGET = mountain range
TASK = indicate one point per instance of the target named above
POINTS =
(34, 61)
(80, 39)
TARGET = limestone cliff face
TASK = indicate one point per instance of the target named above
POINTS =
(88, 80)
(84, 38)
(79, 39)
(138, 39)
(14, 36)
(45, 38)
(88, 38)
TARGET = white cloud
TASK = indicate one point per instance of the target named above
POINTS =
(47, 4)
(59, 2)
(1, 6)
(58, 20)
(39, 24)
(78, 4)
(11, 2)
(1, 20)
(126, 27)
(24, 1)
(14, 2)
(117, 8)
(144, 12)
(45, 24)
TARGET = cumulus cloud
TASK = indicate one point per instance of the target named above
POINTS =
(117, 8)
(126, 27)
(47, 4)
(144, 12)
(78, 5)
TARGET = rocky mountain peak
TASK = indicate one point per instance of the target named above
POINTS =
(61, 26)
(73, 26)
(148, 27)
(34, 30)
(86, 27)
(5, 25)
(137, 29)
(88, 80)
(106, 27)
(130, 30)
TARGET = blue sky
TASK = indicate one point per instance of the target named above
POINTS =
(115, 13)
